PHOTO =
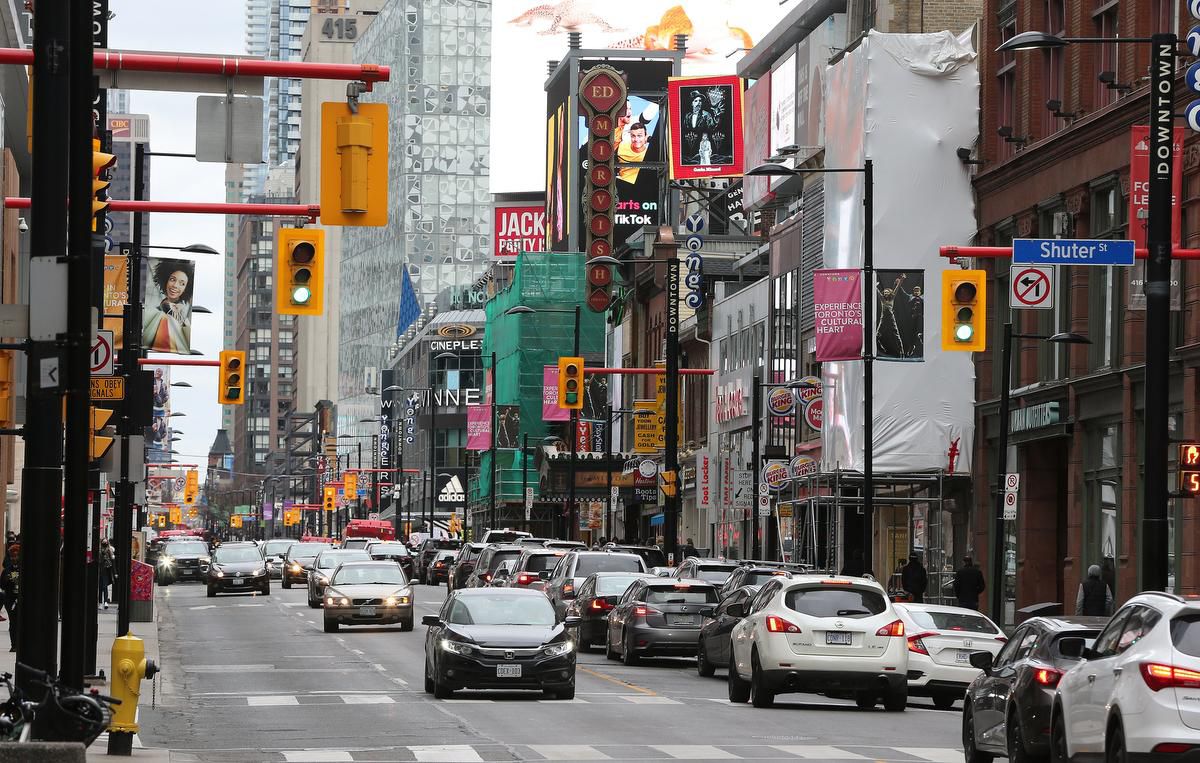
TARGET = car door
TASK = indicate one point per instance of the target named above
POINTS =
(741, 637)
(1004, 679)
(621, 613)
(987, 702)
(1084, 719)
(557, 578)
(716, 645)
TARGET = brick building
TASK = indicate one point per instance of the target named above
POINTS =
(1055, 152)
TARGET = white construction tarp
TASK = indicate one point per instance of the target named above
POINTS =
(907, 102)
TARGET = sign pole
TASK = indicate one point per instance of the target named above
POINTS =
(755, 458)
(997, 581)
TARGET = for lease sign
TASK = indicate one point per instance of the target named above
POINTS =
(520, 229)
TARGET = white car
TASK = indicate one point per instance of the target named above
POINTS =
(815, 633)
(940, 642)
(1135, 695)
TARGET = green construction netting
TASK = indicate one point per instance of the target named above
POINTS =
(552, 284)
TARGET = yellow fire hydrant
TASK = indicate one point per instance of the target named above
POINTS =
(129, 667)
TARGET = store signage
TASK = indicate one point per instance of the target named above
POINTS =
(781, 401)
(703, 481)
(455, 345)
(520, 229)
(775, 475)
(731, 402)
(802, 466)
(1034, 417)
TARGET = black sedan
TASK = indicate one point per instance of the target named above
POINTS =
(596, 598)
(394, 551)
(464, 565)
(299, 560)
(659, 616)
(1007, 708)
(498, 638)
(713, 649)
(237, 569)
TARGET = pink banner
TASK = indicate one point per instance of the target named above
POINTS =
(550, 409)
(479, 427)
(837, 304)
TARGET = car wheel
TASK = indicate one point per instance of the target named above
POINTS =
(703, 666)
(212, 592)
(609, 652)
(406, 625)
(1114, 746)
(266, 589)
(331, 626)
(585, 645)
(739, 690)
(313, 603)
(441, 690)
(286, 583)
(1058, 740)
(1017, 751)
(629, 657)
(896, 699)
(428, 681)
(971, 753)
(760, 696)
(944, 701)
(865, 700)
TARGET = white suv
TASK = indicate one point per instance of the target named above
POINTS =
(813, 633)
(1135, 692)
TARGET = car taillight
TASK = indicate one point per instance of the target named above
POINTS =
(487, 577)
(894, 628)
(642, 610)
(568, 588)
(1048, 677)
(776, 624)
(525, 578)
(600, 605)
(915, 644)
(1173, 747)
(1158, 676)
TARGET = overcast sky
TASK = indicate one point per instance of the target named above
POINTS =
(211, 26)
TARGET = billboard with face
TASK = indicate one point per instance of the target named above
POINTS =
(706, 126)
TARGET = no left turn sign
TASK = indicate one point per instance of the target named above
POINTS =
(102, 354)
(1031, 287)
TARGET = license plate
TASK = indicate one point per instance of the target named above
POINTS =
(508, 671)
(237, 581)
(838, 637)
(683, 619)
(366, 611)
(962, 656)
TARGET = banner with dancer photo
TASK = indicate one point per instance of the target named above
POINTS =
(167, 305)
(706, 127)
(900, 315)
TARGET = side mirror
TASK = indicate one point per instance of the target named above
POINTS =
(544, 574)
(612, 600)
(1072, 646)
(431, 620)
(707, 611)
(571, 621)
(982, 661)
(736, 610)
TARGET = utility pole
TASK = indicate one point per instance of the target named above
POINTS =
(41, 477)
(671, 455)
(495, 452)
(572, 507)
(755, 459)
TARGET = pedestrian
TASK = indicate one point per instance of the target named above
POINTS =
(107, 566)
(914, 579)
(10, 583)
(1095, 597)
(688, 549)
(968, 584)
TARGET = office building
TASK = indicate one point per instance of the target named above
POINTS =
(128, 130)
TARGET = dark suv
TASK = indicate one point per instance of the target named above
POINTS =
(182, 560)
(463, 565)
(570, 572)
(489, 559)
(299, 561)
(653, 556)
(428, 550)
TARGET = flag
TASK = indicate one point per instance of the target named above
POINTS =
(410, 308)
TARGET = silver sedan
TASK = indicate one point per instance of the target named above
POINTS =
(368, 593)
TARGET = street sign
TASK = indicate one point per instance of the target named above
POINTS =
(1012, 481)
(1010, 506)
(108, 388)
(528, 503)
(102, 353)
(1031, 287)
(1065, 251)
(764, 506)
(743, 485)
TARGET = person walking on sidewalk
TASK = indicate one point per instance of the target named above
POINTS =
(107, 564)
(1095, 597)
(968, 584)
(914, 579)
(10, 583)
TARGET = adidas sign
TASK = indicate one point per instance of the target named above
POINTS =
(452, 492)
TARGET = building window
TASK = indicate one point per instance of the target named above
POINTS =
(1162, 16)
(1006, 83)
(1102, 481)
(1053, 67)
(1106, 310)
(1105, 19)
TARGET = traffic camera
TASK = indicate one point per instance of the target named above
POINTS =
(964, 310)
(232, 381)
(354, 164)
(300, 272)
(570, 383)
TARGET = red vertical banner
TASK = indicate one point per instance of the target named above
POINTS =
(550, 408)
(838, 310)
(583, 436)
(479, 427)
(1139, 184)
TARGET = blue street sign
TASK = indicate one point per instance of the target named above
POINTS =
(1066, 251)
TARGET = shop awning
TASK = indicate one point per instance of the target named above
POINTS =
(656, 519)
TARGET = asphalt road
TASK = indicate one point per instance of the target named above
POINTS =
(254, 678)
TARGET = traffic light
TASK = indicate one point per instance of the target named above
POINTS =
(99, 443)
(350, 484)
(570, 383)
(964, 310)
(176, 516)
(329, 498)
(162, 520)
(192, 487)
(1189, 468)
(235, 520)
(6, 389)
(354, 164)
(670, 483)
(300, 272)
(233, 377)
(101, 163)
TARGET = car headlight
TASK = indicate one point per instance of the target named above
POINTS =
(457, 647)
(166, 561)
(296, 567)
(392, 601)
(220, 574)
(559, 649)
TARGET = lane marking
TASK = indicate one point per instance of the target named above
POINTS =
(568, 752)
(819, 752)
(272, 700)
(316, 756)
(617, 681)
(446, 753)
(643, 699)
(367, 699)
(935, 754)
(695, 752)
(203, 606)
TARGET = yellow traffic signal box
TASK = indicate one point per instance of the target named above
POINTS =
(232, 380)
(964, 310)
(7, 370)
(300, 272)
(99, 443)
(350, 484)
(329, 498)
(176, 515)
(354, 164)
(101, 163)
(235, 520)
(570, 383)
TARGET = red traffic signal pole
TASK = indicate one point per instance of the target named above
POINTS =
(310, 211)
(986, 252)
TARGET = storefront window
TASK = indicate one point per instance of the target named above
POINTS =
(1102, 512)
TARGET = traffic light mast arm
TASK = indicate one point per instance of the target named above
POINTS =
(308, 211)
(1000, 252)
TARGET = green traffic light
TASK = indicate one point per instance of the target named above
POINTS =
(301, 295)
(572, 397)
(963, 332)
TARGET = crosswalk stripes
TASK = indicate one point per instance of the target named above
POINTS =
(563, 753)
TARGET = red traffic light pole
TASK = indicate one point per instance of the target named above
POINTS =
(992, 252)
(310, 211)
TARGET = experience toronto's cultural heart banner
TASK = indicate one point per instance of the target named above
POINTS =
(838, 312)
(550, 409)
(479, 427)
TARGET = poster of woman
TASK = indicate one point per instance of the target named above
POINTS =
(900, 315)
(706, 132)
(167, 306)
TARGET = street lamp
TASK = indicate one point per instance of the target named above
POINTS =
(180, 384)
(572, 520)
(1156, 406)
(998, 561)
(190, 248)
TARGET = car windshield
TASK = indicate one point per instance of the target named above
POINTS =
(237, 554)
(277, 547)
(610, 585)
(589, 563)
(713, 573)
(539, 562)
(369, 574)
(502, 556)
(392, 549)
(502, 610)
(330, 559)
(682, 594)
(307, 550)
(356, 542)
(835, 601)
(951, 621)
(504, 537)
(189, 548)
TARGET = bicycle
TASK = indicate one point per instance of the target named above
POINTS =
(63, 714)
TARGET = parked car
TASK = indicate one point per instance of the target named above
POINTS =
(941, 641)
(392, 551)
(504, 536)
(429, 549)
(597, 596)
(754, 574)
(299, 560)
(488, 562)
(565, 545)
(182, 560)
(530, 566)
(237, 568)
(1006, 710)
(498, 638)
(712, 651)
(812, 633)
(658, 616)
(653, 556)
(715, 571)
(368, 593)
(438, 571)
(575, 566)
(1133, 695)
(273, 552)
(463, 565)
(530, 542)
(323, 567)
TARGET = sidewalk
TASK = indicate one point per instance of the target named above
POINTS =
(106, 631)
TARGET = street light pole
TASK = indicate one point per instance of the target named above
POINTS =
(868, 355)
(573, 509)
(494, 453)
(755, 459)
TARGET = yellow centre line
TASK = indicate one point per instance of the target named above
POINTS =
(618, 681)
